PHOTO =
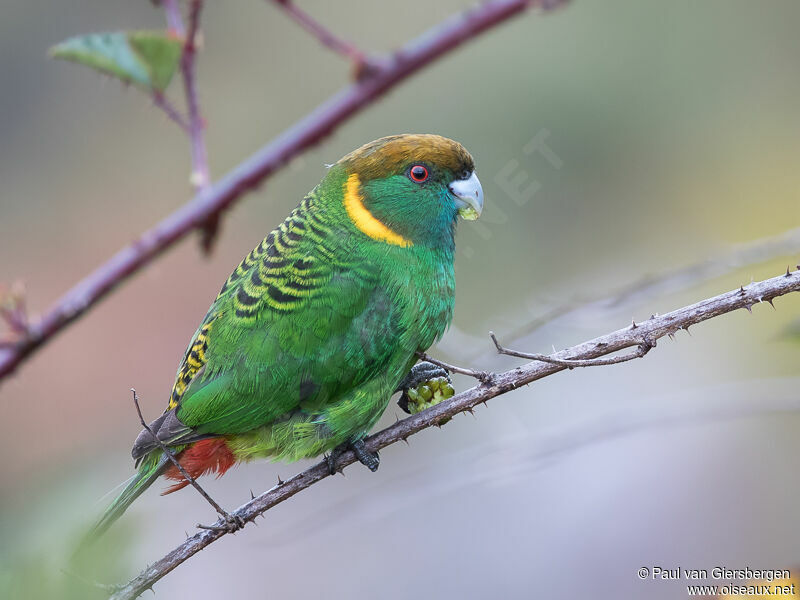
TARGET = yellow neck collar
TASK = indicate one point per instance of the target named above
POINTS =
(365, 220)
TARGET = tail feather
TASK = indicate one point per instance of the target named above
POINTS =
(211, 455)
(151, 468)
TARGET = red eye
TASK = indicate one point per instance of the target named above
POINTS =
(418, 173)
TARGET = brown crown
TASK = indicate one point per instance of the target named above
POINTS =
(393, 154)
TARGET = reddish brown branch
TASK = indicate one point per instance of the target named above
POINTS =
(174, 18)
(201, 174)
(161, 101)
(326, 37)
(201, 177)
(307, 132)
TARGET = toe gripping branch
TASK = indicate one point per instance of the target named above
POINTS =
(424, 385)
(371, 460)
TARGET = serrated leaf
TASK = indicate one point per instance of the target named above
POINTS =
(147, 59)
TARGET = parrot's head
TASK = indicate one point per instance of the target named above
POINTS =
(410, 189)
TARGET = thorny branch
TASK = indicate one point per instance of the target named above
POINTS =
(641, 350)
(209, 203)
(641, 334)
(679, 279)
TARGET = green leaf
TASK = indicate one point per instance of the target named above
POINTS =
(160, 52)
(147, 59)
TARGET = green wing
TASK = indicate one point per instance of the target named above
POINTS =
(298, 323)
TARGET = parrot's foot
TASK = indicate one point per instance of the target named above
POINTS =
(420, 373)
(371, 460)
(425, 386)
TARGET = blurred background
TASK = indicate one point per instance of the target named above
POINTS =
(614, 140)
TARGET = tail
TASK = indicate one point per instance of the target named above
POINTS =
(151, 468)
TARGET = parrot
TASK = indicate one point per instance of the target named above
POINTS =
(322, 322)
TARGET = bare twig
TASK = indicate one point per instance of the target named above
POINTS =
(161, 101)
(201, 177)
(231, 522)
(651, 329)
(326, 37)
(641, 350)
(481, 376)
(174, 18)
(316, 126)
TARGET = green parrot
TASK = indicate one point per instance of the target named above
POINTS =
(321, 323)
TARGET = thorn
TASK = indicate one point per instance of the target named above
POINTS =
(652, 316)
(405, 439)
(686, 328)
(771, 304)
(280, 481)
(633, 324)
(741, 290)
(749, 308)
(252, 495)
(788, 274)
(671, 335)
(208, 234)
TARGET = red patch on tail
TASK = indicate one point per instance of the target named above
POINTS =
(201, 458)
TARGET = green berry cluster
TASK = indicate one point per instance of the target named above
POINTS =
(428, 394)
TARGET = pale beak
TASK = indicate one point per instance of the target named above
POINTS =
(469, 196)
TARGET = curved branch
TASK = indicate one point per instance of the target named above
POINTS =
(307, 132)
(671, 281)
(646, 332)
(326, 37)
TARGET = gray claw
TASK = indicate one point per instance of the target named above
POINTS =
(371, 460)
